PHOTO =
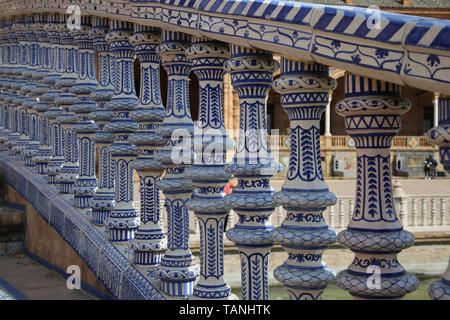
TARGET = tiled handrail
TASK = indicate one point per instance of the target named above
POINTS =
(114, 270)
(406, 49)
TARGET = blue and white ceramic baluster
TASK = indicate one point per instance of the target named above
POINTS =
(5, 87)
(21, 83)
(177, 270)
(6, 56)
(372, 110)
(440, 136)
(14, 84)
(86, 183)
(104, 198)
(149, 241)
(44, 153)
(70, 168)
(304, 233)
(208, 172)
(252, 199)
(123, 219)
(33, 43)
(3, 41)
(56, 70)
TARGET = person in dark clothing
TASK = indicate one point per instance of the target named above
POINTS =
(434, 168)
(427, 167)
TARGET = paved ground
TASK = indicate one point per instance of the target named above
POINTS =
(35, 281)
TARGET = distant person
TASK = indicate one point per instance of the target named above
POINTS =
(434, 168)
(427, 167)
(229, 187)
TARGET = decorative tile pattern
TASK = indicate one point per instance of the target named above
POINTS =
(102, 257)
(282, 25)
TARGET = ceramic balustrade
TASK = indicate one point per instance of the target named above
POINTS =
(52, 107)
(66, 118)
(33, 64)
(54, 25)
(86, 184)
(149, 241)
(252, 199)
(440, 136)
(13, 71)
(208, 171)
(21, 83)
(372, 110)
(123, 219)
(104, 198)
(177, 270)
(304, 233)
(43, 155)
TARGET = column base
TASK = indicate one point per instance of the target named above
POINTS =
(439, 290)
(178, 274)
(82, 201)
(29, 162)
(147, 258)
(121, 235)
(389, 287)
(178, 288)
(219, 292)
(99, 217)
(305, 283)
(41, 167)
(66, 188)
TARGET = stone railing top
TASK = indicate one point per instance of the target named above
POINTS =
(404, 49)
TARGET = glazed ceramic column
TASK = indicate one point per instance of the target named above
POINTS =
(86, 183)
(3, 66)
(372, 111)
(33, 64)
(53, 27)
(304, 233)
(13, 86)
(6, 86)
(43, 156)
(440, 136)
(440, 289)
(149, 241)
(104, 198)
(251, 76)
(177, 270)
(123, 219)
(21, 83)
(67, 119)
(208, 172)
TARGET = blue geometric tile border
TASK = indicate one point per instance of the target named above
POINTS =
(114, 270)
